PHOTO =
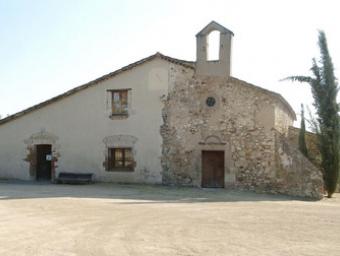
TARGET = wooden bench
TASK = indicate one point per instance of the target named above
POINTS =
(74, 178)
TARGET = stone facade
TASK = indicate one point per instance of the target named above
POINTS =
(176, 111)
(244, 122)
(295, 174)
(311, 142)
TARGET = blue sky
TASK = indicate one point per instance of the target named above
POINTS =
(48, 47)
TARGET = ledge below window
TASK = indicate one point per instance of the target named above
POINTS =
(121, 169)
(119, 116)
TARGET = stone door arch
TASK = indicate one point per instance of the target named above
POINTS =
(215, 143)
(41, 138)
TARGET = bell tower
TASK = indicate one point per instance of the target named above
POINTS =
(222, 65)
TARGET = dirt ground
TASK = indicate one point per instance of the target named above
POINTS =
(107, 219)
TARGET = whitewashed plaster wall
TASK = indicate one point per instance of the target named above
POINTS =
(80, 123)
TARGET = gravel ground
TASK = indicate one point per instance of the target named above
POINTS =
(108, 219)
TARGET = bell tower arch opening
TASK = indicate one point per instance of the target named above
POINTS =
(213, 46)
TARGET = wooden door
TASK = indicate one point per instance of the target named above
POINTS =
(213, 169)
(44, 166)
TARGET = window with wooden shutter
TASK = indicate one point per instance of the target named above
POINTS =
(120, 159)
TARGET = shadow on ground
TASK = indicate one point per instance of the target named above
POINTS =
(131, 194)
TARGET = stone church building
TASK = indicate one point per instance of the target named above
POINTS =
(163, 120)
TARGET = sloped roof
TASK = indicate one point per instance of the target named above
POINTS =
(187, 64)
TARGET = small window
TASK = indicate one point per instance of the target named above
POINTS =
(119, 102)
(120, 159)
(210, 101)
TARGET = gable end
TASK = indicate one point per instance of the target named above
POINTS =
(187, 64)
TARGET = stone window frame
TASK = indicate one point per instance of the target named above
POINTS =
(119, 141)
(210, 95)
(110, 103)
(210, 101)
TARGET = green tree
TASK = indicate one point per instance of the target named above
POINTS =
(325, 88)
(302, 133)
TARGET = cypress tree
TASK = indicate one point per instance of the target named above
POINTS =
(325, 88)
(302, 133)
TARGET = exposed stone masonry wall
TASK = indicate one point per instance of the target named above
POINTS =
(282, 120)
(296, 175)
(248, 139)
(311, 143)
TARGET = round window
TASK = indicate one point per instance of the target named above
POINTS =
(211, 101)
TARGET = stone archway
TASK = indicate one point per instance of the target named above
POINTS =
(214, 143)
(41, 138)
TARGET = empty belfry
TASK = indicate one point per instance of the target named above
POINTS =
(163, 120)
